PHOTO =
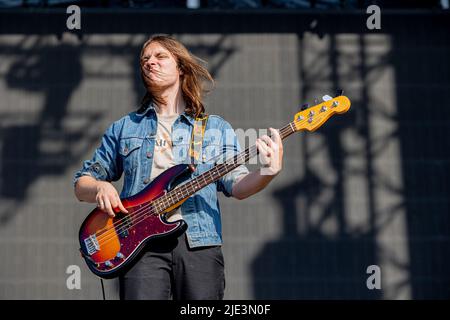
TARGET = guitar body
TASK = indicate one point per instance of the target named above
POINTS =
(111, 246)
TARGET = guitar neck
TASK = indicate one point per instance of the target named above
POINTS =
(219, 170)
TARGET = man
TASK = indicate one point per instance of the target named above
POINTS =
(145, 143)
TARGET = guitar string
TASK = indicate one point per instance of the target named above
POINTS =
(223, 169)
(141, 215)
(144, 215)
(288, 129)
(182, 189)
(144, 206)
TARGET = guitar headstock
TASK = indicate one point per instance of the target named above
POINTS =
(312, 118)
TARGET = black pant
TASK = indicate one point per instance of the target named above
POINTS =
(170, 269)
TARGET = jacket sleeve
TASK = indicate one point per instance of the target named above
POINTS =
(105, 164)
(230, 147)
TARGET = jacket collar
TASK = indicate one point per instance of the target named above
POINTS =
(150, 107)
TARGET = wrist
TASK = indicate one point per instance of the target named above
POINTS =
(99, 185)
(267, 171)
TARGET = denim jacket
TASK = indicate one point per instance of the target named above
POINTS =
(127, 147)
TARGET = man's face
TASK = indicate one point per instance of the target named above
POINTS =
(159, 67)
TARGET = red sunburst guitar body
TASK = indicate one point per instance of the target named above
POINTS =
(110, 245)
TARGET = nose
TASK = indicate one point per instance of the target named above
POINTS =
(150, 62)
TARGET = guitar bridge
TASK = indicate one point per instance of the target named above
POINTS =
(91, 244)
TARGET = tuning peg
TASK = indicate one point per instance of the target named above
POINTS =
(339, 92)
(304, 106)
(326, 98)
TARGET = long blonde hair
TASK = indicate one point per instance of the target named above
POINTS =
(192, 79)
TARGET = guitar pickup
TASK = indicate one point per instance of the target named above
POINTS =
(122, 229)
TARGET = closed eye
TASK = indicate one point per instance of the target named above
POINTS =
(159, 55)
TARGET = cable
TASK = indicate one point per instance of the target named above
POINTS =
(103, 288)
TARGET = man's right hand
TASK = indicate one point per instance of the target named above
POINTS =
(108, 199)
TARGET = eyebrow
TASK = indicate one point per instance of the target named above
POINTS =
(156, 53)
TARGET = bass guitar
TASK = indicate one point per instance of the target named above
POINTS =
(111, 246)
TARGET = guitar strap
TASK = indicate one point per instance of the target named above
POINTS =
(198, 133)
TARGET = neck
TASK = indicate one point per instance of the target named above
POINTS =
(173, 102)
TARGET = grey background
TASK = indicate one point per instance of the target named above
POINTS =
(368, 188)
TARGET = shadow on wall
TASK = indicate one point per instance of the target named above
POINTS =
(306, 263)
(422, 93)
(36, 140)
(311, 264)
(40, 146)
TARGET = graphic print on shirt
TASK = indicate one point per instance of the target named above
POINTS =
(163, 153)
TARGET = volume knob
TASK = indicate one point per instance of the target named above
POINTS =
(120, 255)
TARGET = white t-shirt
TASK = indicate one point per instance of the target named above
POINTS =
(163, 153)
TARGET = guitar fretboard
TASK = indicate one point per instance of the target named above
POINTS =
(215, 173)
